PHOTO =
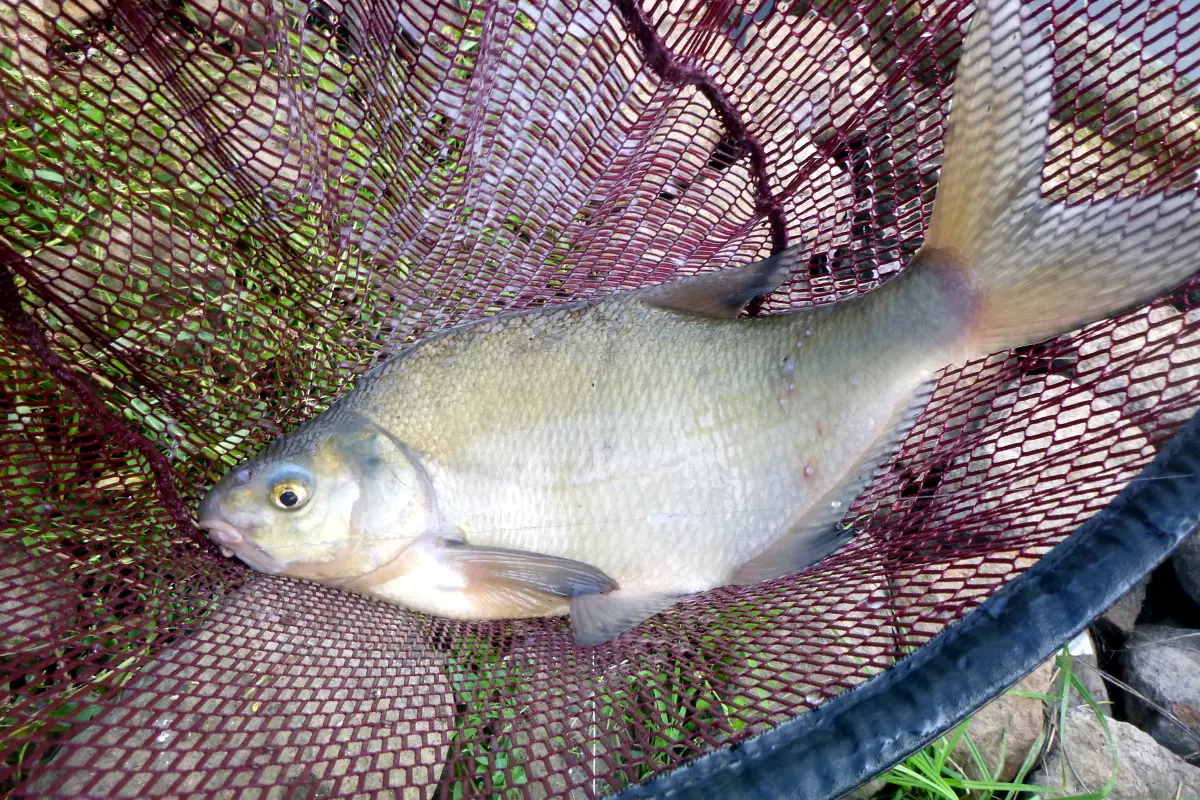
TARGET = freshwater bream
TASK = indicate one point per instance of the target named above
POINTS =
(610, 457)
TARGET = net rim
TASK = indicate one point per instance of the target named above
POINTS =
(837, 747)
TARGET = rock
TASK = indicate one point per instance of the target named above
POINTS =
(1186, 561)
(1162, 662)
(1123, 614)
(866, 791)
(1010, 722)
(1147, 770)
(1085, 667)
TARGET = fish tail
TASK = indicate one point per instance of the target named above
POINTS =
(1036, 269)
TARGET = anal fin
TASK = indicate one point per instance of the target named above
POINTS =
(598, 618)
(819, 533)
(817, 536)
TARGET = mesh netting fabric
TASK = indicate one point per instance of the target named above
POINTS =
(217, 213)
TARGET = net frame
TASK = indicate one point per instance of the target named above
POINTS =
(841, 269)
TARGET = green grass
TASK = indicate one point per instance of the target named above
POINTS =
(644, 721)
(932, 774)
(78, 162)
(483, 753)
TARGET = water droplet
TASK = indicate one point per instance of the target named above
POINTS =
(836, 504)
(791, 388)
(809, 470)
(808, 332)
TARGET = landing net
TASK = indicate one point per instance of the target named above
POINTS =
(216, 213)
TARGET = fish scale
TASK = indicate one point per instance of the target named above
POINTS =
(658, 433)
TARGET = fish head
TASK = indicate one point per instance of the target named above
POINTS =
(328, 503)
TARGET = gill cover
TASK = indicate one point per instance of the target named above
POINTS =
(336, 502)
(396, 502)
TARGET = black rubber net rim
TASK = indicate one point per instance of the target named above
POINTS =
(838, 746)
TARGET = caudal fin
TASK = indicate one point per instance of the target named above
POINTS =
(1039, 269)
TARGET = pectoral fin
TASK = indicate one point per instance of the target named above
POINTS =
(597, 618)
(725, 293)
(517, 579)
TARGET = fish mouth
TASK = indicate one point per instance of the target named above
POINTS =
(225, 535)
(233, 544)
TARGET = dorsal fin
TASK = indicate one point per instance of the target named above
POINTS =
(725, 293)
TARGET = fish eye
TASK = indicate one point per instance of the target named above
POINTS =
(290, 494)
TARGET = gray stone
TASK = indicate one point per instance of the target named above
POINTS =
(1010, 723)
(1086, 668)
(1124, 613)
(1162, 663)
(1087, 671)
(1147, 771)
(1186, 561)
(866, 791)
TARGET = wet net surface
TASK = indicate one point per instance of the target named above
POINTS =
(218, 213)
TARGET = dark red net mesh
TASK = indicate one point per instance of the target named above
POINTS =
(218, 212)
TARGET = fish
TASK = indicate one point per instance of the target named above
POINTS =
(607, 458)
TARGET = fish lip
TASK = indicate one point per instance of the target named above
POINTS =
(222, 532)
(234, 545)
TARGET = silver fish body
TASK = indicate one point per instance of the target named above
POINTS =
(665, 449)
(610, 457)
